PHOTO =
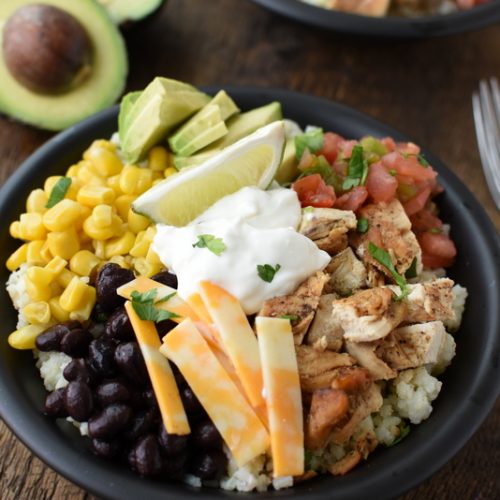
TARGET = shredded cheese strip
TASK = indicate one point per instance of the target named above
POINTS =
(283, 396)
(175, 304)
(196, 303)
(237, 336)
(239, 426)
(163, 381)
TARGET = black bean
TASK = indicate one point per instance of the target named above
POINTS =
(166, 278)
(128, 358)
(145, 457)
(192, 406)
(118, 326)
(179, 378)
(112, 392)
(206, 435)
(54, 404)
(149, 398)
(77, 369)
(98, 315)
(78, 401)
(163, 327)
(76, 342)
(110, 277)
(101, 357)
(110, 421)
(175, 467)
(142, 423)
(209, 464)
(105, 449)
(50, 339)
(171, 444)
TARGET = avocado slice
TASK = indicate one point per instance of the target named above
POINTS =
(161, 107)
(128, 100)
(103, 83)
(227, 106)
(288, 169)
(123, 11)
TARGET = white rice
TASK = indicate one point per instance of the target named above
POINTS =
(16, 288)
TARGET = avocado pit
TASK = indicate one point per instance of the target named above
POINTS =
(46, 49)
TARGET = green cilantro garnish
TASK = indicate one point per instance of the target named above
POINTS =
(308, 210)
(411, 272)
(393, 172)
(320, 166)
(435, 230)
(58, 191)
(312, 140)
(421, 159)
(166, 298)
(290, 317)
(209, 241)
(357, 170)
(404, 430)
(362, 225)
(266, 272)
(381, 256)
(144, 306)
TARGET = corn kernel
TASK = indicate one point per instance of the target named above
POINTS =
(122, 261)
(64, 277)
(102, 216)
(123, 204)
(83, 262)
(64, 243)
(150, 233)
(34, 253)
(62, 215)
(78, 299)
(99, 248)
(55, 289)
(157, 181)
(120, 245)
(137, 222)
(145, 268)
(24, 337)
(103, 233)
(84, 213)
(45, 252)
(36, 201)
(158, 158)
(40, 275)
(95, 195)
(57, 311)
(17, 257)
(158, 176)
(152, 256)
(37, 313)
(169, 171)
(49, 184)
(141, 245)
(105, 161)
(15, 229)
(135, 180)
(87, 175)
(56, 265)
(114, 183)
(72, 171)
(38, 291)
(31, 227)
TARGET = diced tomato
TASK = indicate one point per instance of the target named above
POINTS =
(424, 219)
(306, 160)
(438, 250)
(346, 147)
(409, 167)
(418, 202)
(313, 192)
(408, 148)
(353, 199)
(331, 145)
(381, 185)
(389, 143)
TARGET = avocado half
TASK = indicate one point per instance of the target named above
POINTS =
(125, 11)
(101, 88)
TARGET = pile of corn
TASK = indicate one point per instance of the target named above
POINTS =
(92, 225)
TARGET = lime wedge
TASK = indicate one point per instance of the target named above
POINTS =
(252, 161)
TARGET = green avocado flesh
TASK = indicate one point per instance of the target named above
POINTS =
(122, 11)
(98, 91)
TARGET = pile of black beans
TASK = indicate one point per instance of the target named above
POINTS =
(109, 387)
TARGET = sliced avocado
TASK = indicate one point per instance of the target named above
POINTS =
(246, 123)
(199, 131)
(287, 171)
(181, 162)
(162, 106)
(227, 106)
(98, 86)
(127, 102)
(122, 11)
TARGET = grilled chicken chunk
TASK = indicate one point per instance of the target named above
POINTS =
(389, 228)
(324, 332)
(347, 273)
(327, 227)
(364, 354)
(301, 305)
(365, 444)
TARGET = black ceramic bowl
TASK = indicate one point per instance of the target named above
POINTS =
(391, 26)
(470, 384)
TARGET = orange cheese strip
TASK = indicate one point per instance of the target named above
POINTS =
(160, 373)
(238, 338)
(196, 303)
(235, 419)
(175, 304)
(283, 396)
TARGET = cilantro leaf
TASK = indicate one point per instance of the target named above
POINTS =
(163, 314)
(422, 160)
(58, 191)
(291, 317)
(381, 256)
(210, 242)
(411, 272)
(357, 170)
(166, 298)
(312, 140)
(404, 430)
(362, 225)
(144, 297)
(266, 272)
(144, 306)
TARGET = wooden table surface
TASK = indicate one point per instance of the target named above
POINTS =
(422, 88)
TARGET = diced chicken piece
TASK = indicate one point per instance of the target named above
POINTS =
(328, 408)
(389, 228)
(301, 305)
(362, 405)
(352, 379)
(413, 345)
(364, 353)
(324, 332)
(376, 8)
(317, 369)
(374, 277)
(347, 273)
(365, 444)
(327, 227)
(368, 315)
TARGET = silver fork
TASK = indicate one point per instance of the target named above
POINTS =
(486, 109)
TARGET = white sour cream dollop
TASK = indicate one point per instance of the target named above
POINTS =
(257, 227)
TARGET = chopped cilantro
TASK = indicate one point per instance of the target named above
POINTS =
(357, 170)
(144, 306)
(308, 210)
(320, 166)
(422, 160)
(266, 272)
(58, 191)
(291, 317)
(209, 241)
(393, 172)
(411, 272)
(404, 430)
(435, 230)
(362, 225)
(166, 298)
(312, 140)
(381, 256)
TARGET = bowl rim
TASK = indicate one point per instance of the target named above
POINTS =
(389, 26)
(395, 479)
